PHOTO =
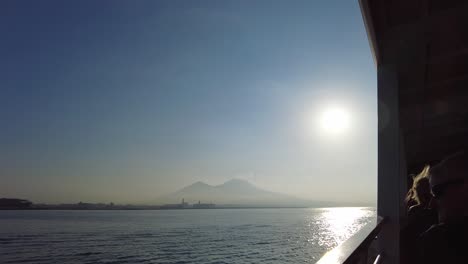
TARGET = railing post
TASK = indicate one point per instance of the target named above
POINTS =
(391, 163)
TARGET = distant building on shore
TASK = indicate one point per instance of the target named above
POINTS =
(200, 205)
(182, 205)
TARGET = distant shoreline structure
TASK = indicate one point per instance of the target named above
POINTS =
(23, 204)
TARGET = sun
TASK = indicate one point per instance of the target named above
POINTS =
(334, 120)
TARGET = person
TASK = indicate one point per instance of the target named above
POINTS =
(446, 241)
(421, 215)
(420, 194)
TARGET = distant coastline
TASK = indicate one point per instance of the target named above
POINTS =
(232, 194)
(22, 204)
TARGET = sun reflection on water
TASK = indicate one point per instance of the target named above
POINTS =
(338, 224)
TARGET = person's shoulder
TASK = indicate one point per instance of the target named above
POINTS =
(434, 233)
(433, 245)
(414, 209)
(435, 229)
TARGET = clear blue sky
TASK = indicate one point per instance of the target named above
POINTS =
(127, 100)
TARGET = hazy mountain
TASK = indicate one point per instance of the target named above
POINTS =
(235, 192)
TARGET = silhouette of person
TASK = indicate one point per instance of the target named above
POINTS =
(420, 193)
(446, 241)
(421, 216)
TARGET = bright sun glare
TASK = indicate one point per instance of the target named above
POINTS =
(334, 120)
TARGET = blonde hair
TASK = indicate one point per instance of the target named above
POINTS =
(422, 176)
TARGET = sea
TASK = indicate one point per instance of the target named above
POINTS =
(275, 235)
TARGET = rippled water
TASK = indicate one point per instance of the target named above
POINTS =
(176, 236)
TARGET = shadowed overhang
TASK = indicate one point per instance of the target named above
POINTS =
(426, 42)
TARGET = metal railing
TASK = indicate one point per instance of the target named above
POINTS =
(378, 259)
(355, 249)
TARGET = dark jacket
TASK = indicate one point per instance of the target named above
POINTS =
(445, 243)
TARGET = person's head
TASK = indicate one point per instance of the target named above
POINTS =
(449, 185)
(423, 191)
(420, 192)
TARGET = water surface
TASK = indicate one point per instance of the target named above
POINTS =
(177, 236)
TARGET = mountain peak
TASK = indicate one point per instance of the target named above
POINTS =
(238, 185)
(234, 192)
(198, 186)
(236, 182)
(200, 183)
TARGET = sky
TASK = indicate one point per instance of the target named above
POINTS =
(125, 101)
